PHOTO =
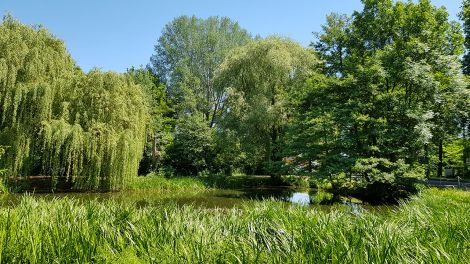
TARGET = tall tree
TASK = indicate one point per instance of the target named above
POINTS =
(465, 106)
(332, 43)
(261, 76)
(394, 99)
(61, 122)
(186, 58)
(465, 17)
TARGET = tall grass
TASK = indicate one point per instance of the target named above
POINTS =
(433, 227)
(157, 182)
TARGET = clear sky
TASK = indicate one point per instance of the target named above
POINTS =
(117, 34)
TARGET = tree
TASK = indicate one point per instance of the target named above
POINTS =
(465, 103)
(391, 101)
(193, 149)
(186, 58)
(161, 122)
(332, 44)
(465, 17)
(61, 122)
(261, 76)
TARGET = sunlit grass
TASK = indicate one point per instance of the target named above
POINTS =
(157, 182)
(433, 227)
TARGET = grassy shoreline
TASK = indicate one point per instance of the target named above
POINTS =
(432, 227)
(157, 182)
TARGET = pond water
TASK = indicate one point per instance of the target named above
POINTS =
(217, 198)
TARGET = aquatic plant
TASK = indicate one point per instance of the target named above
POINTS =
(430, 228)
(154, 181)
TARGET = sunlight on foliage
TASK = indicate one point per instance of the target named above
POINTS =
(61, 122)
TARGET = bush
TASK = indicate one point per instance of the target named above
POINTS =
(193, 149)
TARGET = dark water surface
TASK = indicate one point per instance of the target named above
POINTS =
(217, 198)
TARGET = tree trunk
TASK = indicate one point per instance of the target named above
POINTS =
(465, 149)
(439, 165)
(155, 151)
(428, 171)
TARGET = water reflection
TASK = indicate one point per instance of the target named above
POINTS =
(356, 208)
(302, 198)
(218, 198)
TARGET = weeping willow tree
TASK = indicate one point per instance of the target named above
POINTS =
(58, 121)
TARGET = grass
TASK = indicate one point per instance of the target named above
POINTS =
(433, 227)
(3, 188)
(157, 182)
(238, 181)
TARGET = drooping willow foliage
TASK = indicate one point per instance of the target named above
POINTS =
(58, 121)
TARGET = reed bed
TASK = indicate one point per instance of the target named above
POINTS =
(432, 227)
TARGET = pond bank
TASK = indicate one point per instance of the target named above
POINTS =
(208, 198)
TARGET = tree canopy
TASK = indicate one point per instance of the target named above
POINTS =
(391, 96)
(188, 54)
(60, 122)
(260, 77)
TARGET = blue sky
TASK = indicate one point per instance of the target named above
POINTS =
(117, 34)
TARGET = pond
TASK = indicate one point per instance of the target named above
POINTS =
(215, 198)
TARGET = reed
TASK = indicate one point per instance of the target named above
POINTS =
(156, 182)
(432, 227)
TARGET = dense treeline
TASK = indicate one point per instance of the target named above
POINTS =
(391, 100)
(378, 100)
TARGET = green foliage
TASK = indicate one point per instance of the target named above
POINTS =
(229, 154)
(297, 181)
(382, 170)
(2, 153)
(186, 58)
(260, 77)
(187, 55)
(238, 181)
(332, 44)
(464, 103)
(435, 224)
(60, 122)
(161, 119)
(98, 147)
(193, 149)
(465, 17)
(154, 181)
(322, 197)
(3, 188)
(390, 98)
(455, 154)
